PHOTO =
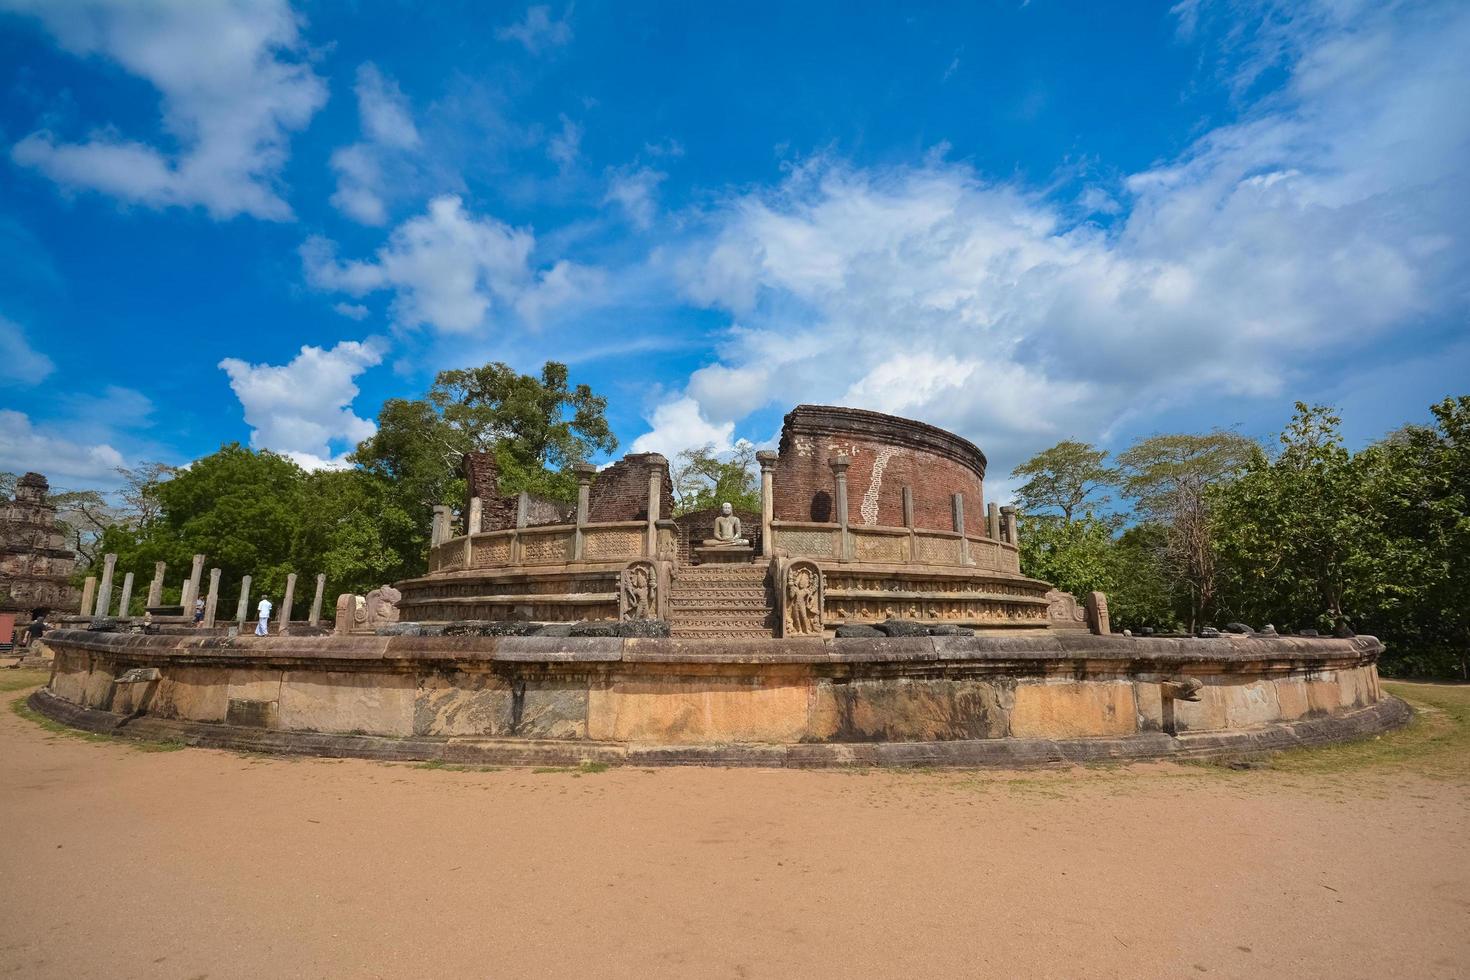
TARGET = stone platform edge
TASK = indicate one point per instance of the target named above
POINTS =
(1229, 652)
(1387, 714)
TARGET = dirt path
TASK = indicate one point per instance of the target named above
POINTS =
(121, 863)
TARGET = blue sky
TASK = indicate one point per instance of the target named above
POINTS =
(1021, 221)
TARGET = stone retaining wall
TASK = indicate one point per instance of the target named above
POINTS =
(710, 694)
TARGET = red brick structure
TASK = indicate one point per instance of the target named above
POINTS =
(35, 564)
(886, 454)
(697, 525)
(499, 512)
(620, 492)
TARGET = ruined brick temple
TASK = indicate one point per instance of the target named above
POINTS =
(35, 564)
(865, 519)
(873, 612)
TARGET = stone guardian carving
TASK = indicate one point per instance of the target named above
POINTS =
(1064, 612)
(363, 614)
(638, 591)
(801, 599)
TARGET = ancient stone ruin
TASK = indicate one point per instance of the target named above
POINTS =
(35, 563)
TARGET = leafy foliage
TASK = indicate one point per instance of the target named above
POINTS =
(703, 480)
(1065, 477)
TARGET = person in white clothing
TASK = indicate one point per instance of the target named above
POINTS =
(261, 628)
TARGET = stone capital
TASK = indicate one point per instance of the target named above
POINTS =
(767, 459)
(839, 464)
(585, 471)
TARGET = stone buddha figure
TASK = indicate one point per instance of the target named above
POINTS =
(727, 529)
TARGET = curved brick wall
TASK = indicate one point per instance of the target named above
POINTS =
(887, 453)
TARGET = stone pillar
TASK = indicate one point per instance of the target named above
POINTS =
(290, 597)
(195, 574)
(89, 595)
(908, 522)
(767, 460)
(1097, 613)
(127, 596)
(155, 588)
(584, 473)
(1008, 522)
(441, 530)
(957, 502)
(211, 604)
(243, 609)
(104, 593)
(473, 519)
(993, 519)
(655, 498)
(523, 517)
(321, 586)
(839, 466)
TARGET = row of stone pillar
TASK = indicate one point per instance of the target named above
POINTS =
(1001, 521)
(97, 602)
(442, 529)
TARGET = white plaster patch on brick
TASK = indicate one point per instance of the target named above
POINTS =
(804, 446)
(869, 509)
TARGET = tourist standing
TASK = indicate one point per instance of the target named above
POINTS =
(198, 611)
(262, 628)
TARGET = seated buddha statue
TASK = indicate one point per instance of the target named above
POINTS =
(727, 529)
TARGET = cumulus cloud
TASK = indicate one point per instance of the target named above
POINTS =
(364, 168)
(1329, 217)
(300, 408)
(25, 446)
(564, 146)
(20, 363)
(635, 191)
(452, 271)
(538, 31)
(352, 311)
(677, 425)
(233, 88)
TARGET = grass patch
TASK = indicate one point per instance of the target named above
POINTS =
(23, 710)
(440, 764)
(586, 766)
(1435, 743)
(19, 680)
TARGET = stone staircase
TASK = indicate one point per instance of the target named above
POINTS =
(720, 600)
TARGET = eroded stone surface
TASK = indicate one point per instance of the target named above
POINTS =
(911, 710)
(342, 701)
(464, 704)
(1073, 710)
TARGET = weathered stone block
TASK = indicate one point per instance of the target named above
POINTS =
(1074, 710)
(553, 709)
(1291, 698)
(462, 704)
(1248, 705)
(255, 685)
(193, 694)
(347, 701)
(910, 710)
(696, 710)
(97, 688)
(1208, 714)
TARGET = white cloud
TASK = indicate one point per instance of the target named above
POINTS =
(352, 311)
(564, 146)
(19, 361)
(537, 31)
(366, 169)
(24, 447)
(453, 271)
(635, 190)
(677, 425)
(1329, 218)
(233, 88)
(299, 409)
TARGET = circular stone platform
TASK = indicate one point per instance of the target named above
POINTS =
(933, 700)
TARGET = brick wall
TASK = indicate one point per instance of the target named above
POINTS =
(886, 453)
(620, 492)
(497, 512)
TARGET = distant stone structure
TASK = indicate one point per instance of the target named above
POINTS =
(35, 564)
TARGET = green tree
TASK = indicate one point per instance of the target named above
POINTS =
(1066, 477)
(702, 479)
(1084, 555)
(1169, 478)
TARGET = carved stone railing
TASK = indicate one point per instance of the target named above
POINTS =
(552, 544)
(874, 544)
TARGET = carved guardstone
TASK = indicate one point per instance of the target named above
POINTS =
(801, 599)
(1064, 612)
(364, 614)
(1097, 613)
(638, 591)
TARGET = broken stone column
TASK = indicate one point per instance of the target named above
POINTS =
(767, 461)
(1097, 613)
(89, 595)
(127, 596)
(211, 604)
(243, 609)
(288, 598)
(585, 472)
(1011, 531)
(839, 465)
(655, 500)
(993, 515)
(473, 520)
(155, 588)
(104, 593)
(195, 574)
(321, 585)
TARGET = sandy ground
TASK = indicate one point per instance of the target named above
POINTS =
(116, 862)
